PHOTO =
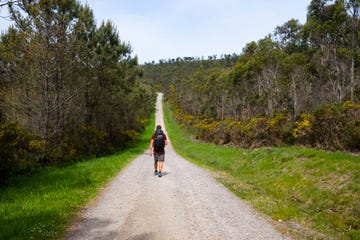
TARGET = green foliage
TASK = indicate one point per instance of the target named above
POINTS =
(173, 71)
(20, 151)
(331, 127)
(69, 83)
(311, 194)
(328, 127)
(43, 205)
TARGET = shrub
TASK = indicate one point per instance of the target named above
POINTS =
(20, 151)
(328, 127)
(302, 129)
(352, 129)
(279, 129)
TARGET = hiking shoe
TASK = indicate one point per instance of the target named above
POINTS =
(155, 172)
(159, 174)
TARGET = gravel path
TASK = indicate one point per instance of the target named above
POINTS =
(186, 203)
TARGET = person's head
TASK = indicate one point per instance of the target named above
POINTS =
(158, 127)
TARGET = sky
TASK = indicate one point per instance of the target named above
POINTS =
(167, 29)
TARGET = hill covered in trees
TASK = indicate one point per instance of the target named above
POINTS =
(298, 85)
(68, 88)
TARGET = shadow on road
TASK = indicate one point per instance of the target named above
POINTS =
(94, 225)
(164, 173)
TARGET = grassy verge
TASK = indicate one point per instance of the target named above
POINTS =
(311, 194)
(42, 206)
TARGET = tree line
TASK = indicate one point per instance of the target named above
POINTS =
(298, 85)
(69, 88)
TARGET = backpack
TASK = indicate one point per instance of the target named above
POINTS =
(159, 141)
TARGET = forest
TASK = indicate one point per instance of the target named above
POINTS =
(69, 89)
(296, 86)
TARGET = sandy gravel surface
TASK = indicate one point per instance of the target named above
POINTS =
(186, 203)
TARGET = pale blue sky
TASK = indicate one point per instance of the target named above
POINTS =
(162, 29)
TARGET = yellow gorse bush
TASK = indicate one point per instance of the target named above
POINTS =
(331, 127)
(37, 145)
(206, 125)
(131, 134)
(97, 136)
(303, 126)
(277, 120)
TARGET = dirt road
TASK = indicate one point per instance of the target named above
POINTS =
(186, 203)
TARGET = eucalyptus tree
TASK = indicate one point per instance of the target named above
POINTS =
(290, 36)
(210, 93)
(332, 31)
(267, 60)
(245, 96)
(296, 67)
(351, 35)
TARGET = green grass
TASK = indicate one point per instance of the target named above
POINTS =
(43, 205)
(311, 194)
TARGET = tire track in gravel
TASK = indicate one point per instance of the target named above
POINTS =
(186, 203)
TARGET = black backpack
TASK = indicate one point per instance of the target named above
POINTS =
(159, 141)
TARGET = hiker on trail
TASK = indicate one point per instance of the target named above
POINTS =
(157, 146)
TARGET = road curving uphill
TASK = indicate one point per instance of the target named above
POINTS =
(186, 203)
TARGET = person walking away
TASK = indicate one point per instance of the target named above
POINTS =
(157, 147)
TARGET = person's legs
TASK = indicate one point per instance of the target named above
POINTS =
(156, 158)
(161, 160)
(155, 165)
(161, 164)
